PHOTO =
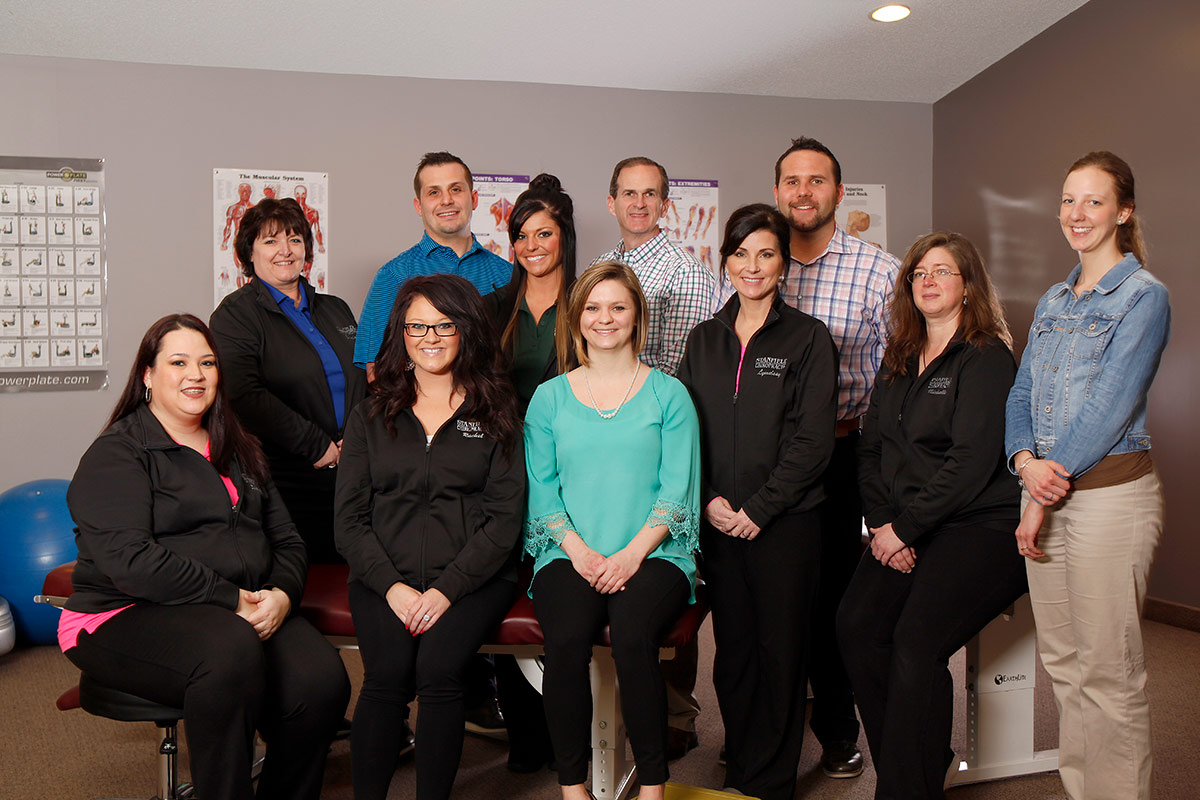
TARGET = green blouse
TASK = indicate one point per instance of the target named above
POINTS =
(533, 343)
(606, 478)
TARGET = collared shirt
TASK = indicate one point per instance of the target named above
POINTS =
(848, 288)
(486, 270)
(532, 345)
(680, 293)
(302, 319)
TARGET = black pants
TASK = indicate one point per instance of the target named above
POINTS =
(308, 495)
(761, 593)
(897, 633)
(571, 613)
(833, 718)
(398, 667)
(209, 662)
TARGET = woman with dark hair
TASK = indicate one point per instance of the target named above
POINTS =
(1093, 506)
(940, 507)
(531, 309)
(188, 571)
(428, 515)
(613, 458)
(287, 356)
(764, 379)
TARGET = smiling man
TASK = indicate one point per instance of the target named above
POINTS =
(445, 199)
(679, 291)
(846, 283)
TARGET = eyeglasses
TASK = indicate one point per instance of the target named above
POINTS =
(419, 329)
(937, 275)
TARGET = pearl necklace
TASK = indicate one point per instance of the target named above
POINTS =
(617, 410)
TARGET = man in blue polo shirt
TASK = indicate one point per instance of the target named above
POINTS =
(445, 198)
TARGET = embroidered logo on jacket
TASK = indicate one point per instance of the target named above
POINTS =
(939, 385)
(470, 430)
(770, 367)
(348, 331)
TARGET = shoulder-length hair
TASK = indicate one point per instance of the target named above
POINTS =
(596, 274)
(1129, 233)
(544, 194)
(226, 436)
(271, 217)
(490, 399)
(981, 317)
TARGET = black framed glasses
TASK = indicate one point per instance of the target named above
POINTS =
(937, 275)
(419, 329)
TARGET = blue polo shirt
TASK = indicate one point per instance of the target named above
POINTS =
(486, 270)
(302, 319)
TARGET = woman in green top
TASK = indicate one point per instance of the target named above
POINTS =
(613, 457)
(529, 311)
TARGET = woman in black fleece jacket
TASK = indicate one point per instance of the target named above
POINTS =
(941, 507)
(763, 377)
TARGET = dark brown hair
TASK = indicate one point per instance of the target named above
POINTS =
(490, 399)
(757, 217)
(980, 320)
(807, 143)
(575, 346)
(1129, 232)
(269, 217)
(226, 435)
(437, 159)
(640, 161)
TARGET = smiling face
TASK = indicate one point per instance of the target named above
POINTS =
(538, 245)
(431, 354)
(756, 267)
(183, 378)
(446, 200)
(278, 258)
(807, 193)
(609, 317)
(1089, 213)
(638, 204)
(938, 298)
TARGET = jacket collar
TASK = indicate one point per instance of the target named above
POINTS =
(728, 313)
(150, 431)
(264, 297)
(1107, 284)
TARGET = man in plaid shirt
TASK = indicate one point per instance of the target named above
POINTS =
(846, 283)
(679, 290)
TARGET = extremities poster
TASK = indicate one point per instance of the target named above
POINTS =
(691, 219)
(236, 190)
(53, 289)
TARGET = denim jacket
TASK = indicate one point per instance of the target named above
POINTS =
(1080, 392)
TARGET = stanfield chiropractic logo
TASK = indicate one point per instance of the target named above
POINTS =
(939, 385)
(1002, 679)
(469, 429)
(769, 366)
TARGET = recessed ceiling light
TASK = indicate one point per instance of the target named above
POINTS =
(892, 13)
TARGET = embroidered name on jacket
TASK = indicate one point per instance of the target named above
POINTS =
(470, 430)
(939, 385)
(769, 367)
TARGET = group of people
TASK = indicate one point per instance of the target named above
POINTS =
(628, 431)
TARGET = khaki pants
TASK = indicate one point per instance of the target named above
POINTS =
(1087, 598)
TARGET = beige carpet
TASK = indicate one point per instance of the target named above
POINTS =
(46, 754)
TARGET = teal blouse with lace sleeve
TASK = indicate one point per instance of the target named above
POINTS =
(606, 478)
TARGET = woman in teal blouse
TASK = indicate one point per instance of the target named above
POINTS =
(613, 457)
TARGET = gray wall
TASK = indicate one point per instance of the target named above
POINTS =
(162, 130)
(1114, 76)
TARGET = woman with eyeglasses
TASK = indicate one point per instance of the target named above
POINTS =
(429, 508)
(940, 505)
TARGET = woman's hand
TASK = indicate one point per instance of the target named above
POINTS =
(426, 610)
(719, 514)
(743, 527)
(586, 561)
(400, 597)
(333, 454)
(265, 610)
(1046, 480)
(618, 569)
(1027, 531)
(886, 545)
(904, 560)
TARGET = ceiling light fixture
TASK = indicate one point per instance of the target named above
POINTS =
(891, 13)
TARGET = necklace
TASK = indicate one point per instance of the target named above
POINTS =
(617, 410)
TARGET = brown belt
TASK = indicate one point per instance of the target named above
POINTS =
(845, 427)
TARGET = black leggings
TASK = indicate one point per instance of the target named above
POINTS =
(398, 667)
(897, 632)
(208, 661)
(571, 613)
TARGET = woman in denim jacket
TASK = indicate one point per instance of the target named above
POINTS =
(1076, 437)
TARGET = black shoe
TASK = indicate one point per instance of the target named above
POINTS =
(486, 720)
(842, 760)
(679, 742)
(408, 740)
(526, 763)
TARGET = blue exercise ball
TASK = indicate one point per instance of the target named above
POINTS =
(36, 535)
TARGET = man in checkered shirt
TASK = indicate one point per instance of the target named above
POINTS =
(846, 283)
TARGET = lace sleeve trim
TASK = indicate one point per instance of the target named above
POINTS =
(683, 523)
(546, 531)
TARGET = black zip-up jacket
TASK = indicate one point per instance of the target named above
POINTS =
(155, 524)
(932, 450)
(764, 447)
(273, 374)
(445, 515)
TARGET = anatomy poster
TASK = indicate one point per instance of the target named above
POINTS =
(53, 291)
(236, 190)
(489, 223)
(863, 213)
(691, 220)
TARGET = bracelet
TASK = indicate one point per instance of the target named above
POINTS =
(1026, 464)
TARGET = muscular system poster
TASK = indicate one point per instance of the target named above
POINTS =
(489, 223)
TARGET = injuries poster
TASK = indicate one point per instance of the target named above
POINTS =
(53, 288)
(489, 223)
(237, 190)
(691, 220)
(863, 213)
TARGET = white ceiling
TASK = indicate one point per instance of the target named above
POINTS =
(788, 48)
